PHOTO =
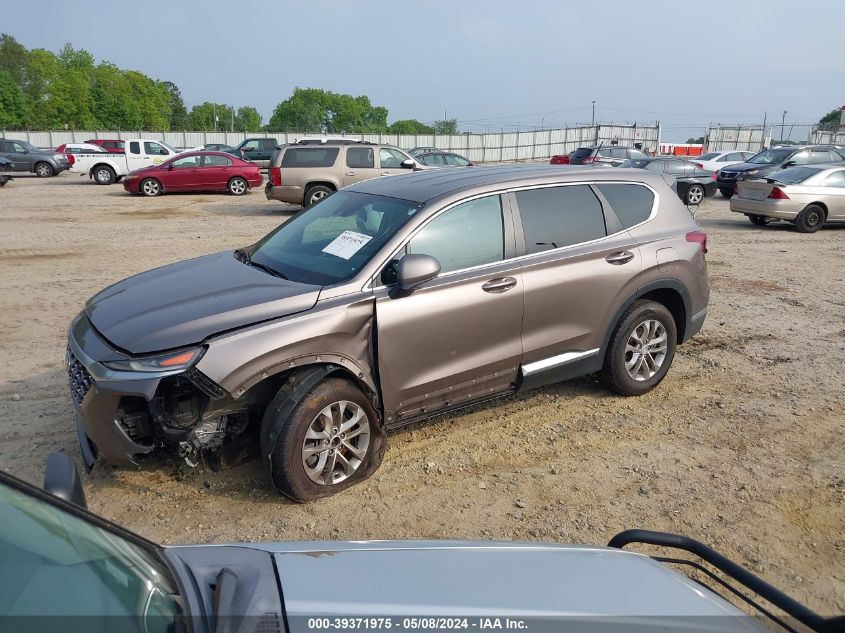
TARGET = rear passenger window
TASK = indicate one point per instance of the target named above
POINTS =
(836, 179)
(553, 217)
(310, 157)
(619, 153)
(470, 234)
(632, 203)
(360, 157)
(134, 147)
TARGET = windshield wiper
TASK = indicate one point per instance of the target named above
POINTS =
(244, 256)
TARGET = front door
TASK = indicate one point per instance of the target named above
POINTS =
(390, 161)
(456, 338)
(184, 174)
(145, 153)
(18, 154)
(360, 164)
(216, 171)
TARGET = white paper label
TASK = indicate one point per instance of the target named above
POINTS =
(347, 244)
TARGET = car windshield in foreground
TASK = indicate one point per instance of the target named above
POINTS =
(64, 565)
(333, 240)
(794, 175)
(770, 157)
(709, 156)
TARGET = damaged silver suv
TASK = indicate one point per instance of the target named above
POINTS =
(391, 301)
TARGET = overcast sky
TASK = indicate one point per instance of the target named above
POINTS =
(491, 64)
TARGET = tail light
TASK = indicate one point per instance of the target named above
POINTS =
(778, 194)
(714, 175)
(700, 237)
(70, 159)
(699, 165)
(276, 176)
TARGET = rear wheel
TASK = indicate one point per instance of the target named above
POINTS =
(104, 175)
(695, 194)
(44, 170)
(810, 219)
(641, 349)
(316, 193)
(327, 443)
(150, 187)
(237, 186)
(759, 220)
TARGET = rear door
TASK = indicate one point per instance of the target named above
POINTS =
(834, 195)
(360, 164)
(215, 171)
(580, 264)
(19, 155)
(455, 338)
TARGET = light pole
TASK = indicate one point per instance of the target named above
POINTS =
(782, 125)
(594, 113)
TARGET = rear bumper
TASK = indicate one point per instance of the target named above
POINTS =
(290, 194)
(777, 209)
(726, 185)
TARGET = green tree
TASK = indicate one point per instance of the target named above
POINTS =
(12, 102)
(179, 118)
(409, 126)
(447, 126)
(153, 101)
(696, 141)
(315, 110)
(73, 58)
(202, 116)
(13, 58)
(248, 119)
(42, 67)
(112, 101)
(832, 119)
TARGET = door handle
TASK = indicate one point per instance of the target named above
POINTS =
(350, 173)
(620, 258)
(500, 284)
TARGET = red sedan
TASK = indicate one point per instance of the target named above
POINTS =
(195, 171)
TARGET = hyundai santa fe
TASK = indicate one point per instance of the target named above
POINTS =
(391, 301)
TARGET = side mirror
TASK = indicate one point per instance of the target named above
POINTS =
(248, 149)
(61, 479)
(789, 163)
(413, 270)
(408, 163)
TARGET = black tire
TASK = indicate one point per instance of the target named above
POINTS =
(237, 186)
(118, 179)
(44, 170)
(103, 175)
(315, 193)
(285, 457)
(150, 187)
(695, 194)
(811, 219)
(726, 193)
(614, 372)
(758, 220)
(3, 180)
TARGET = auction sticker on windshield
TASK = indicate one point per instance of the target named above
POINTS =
(347, 244)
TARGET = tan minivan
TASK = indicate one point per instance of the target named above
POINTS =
(305, 173)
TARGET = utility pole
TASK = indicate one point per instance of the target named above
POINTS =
(782, 125)
(594, 113)
(763, 135)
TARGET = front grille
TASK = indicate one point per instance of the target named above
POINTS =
(78, 377)
(727, 175)
(204, 383)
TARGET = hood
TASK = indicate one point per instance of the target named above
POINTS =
(743, 167)
(486, 579)
(185, 303)
(144, 170)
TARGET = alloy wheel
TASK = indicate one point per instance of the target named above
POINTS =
(695, 194)
(645, 350)
(336, 443)
(151, 187)
(237, 186)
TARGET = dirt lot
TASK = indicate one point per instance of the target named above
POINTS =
(742, 446)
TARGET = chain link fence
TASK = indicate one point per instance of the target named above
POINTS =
(531, 145)
(753, 138)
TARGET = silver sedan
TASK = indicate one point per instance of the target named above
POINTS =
(808, 196)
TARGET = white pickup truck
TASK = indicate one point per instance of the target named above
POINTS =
(106, 168)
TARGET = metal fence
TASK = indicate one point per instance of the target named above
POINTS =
(755, 137)
(740, 137)
(491, 147)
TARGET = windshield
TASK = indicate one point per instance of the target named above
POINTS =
(709, 156)
(582, 152)
(163, 144)
(334, 239)
(770, 157)
(55, 563)
(794, 175)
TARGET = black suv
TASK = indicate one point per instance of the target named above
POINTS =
(604, 155)
(772, 160)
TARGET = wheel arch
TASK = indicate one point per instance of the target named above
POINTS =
(670, 293)
(317, 183)
(821, 205)
(101, 164)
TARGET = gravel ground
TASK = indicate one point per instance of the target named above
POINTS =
(741, 446)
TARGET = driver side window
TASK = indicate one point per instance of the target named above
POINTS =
(189, 162)
(470, 234)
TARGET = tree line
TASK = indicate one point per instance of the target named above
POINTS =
(42, 90)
